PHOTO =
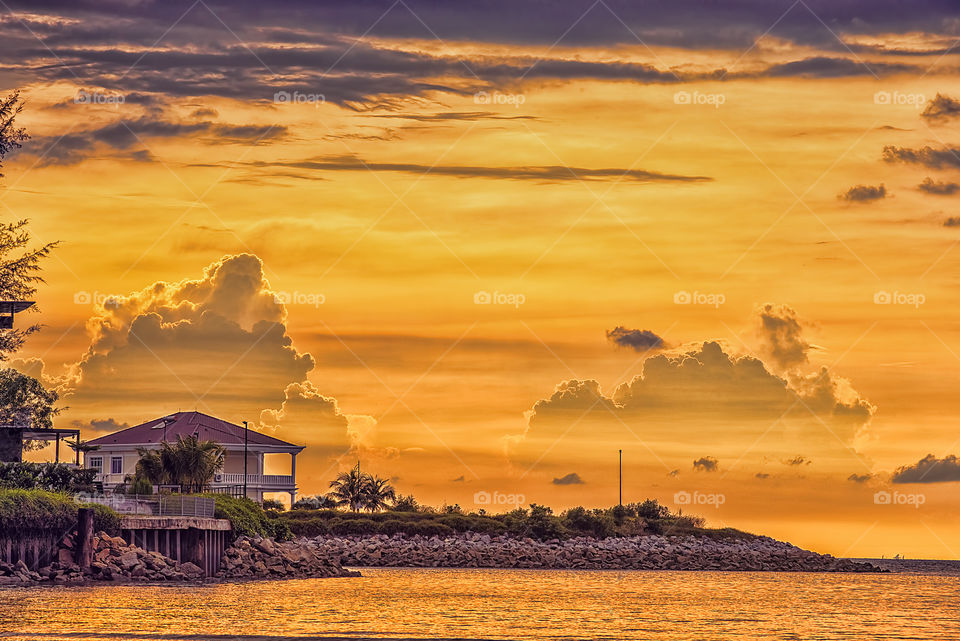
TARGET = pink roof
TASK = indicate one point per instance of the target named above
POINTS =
(203, 426)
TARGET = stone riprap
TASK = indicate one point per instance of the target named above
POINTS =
(629, 553)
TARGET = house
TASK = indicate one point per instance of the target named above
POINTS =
(117, 456)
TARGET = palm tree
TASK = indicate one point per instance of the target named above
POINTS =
(377, 492)
(348, 489)
(189, 463)
(361, 491)
(81, 447)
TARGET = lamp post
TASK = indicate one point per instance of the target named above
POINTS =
(621, 477)
(245, 428)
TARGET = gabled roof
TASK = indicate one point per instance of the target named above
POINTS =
(203, 426)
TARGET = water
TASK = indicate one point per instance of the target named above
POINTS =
(500, 604)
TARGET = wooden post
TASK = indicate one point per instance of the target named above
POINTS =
(84, 544)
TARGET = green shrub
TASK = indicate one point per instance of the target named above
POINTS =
(32, 510)
(140, 486)
(247, 518)
(273, 505)
(585, 522)
(52, 477)
(347, 527)
(429, 529)
(104, 518)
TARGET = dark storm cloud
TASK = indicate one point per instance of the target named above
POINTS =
(824, 67)
(124, 134)
(640, 340)
(941, 108)
(938, 188)
(864, 193)
(542, 174)
(929, 469)
(926, 156)
(570, 479)
(700, 24)
(706, 464)
(251, 50)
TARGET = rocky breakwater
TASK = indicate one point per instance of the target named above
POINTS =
(113, 560)
(629, 553)
(257, 558)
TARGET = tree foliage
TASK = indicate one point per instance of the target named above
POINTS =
(360, 491)
(189, 463)
(53, 477)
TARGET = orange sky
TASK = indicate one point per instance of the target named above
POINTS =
(323, 265)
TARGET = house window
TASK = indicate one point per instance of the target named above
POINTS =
(116, 465)
(96, 463)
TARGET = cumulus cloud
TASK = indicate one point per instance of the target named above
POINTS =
(952, 221)
(782, 335)
(640, 340)
(570, 479)
(706, 464)
(797, 461)
(703, 395)
(859, 478)
(941, 108)
(761, 475)
(929, 469)
(864, 193)
(938, 188)
(218, 344)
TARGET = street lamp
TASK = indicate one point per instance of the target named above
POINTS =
(245, 429)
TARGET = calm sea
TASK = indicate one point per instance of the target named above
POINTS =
(501, 604)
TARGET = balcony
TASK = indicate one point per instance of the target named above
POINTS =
(268, 482)
(264, 481)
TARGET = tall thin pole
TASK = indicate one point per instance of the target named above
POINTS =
(245, 428)
(621, 477)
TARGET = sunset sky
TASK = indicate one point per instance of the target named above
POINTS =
(484, 246)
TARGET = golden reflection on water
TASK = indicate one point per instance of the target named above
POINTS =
(500, 604)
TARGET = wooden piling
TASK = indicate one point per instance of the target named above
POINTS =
(84, 544)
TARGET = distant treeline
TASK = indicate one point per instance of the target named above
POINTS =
(538, 522)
